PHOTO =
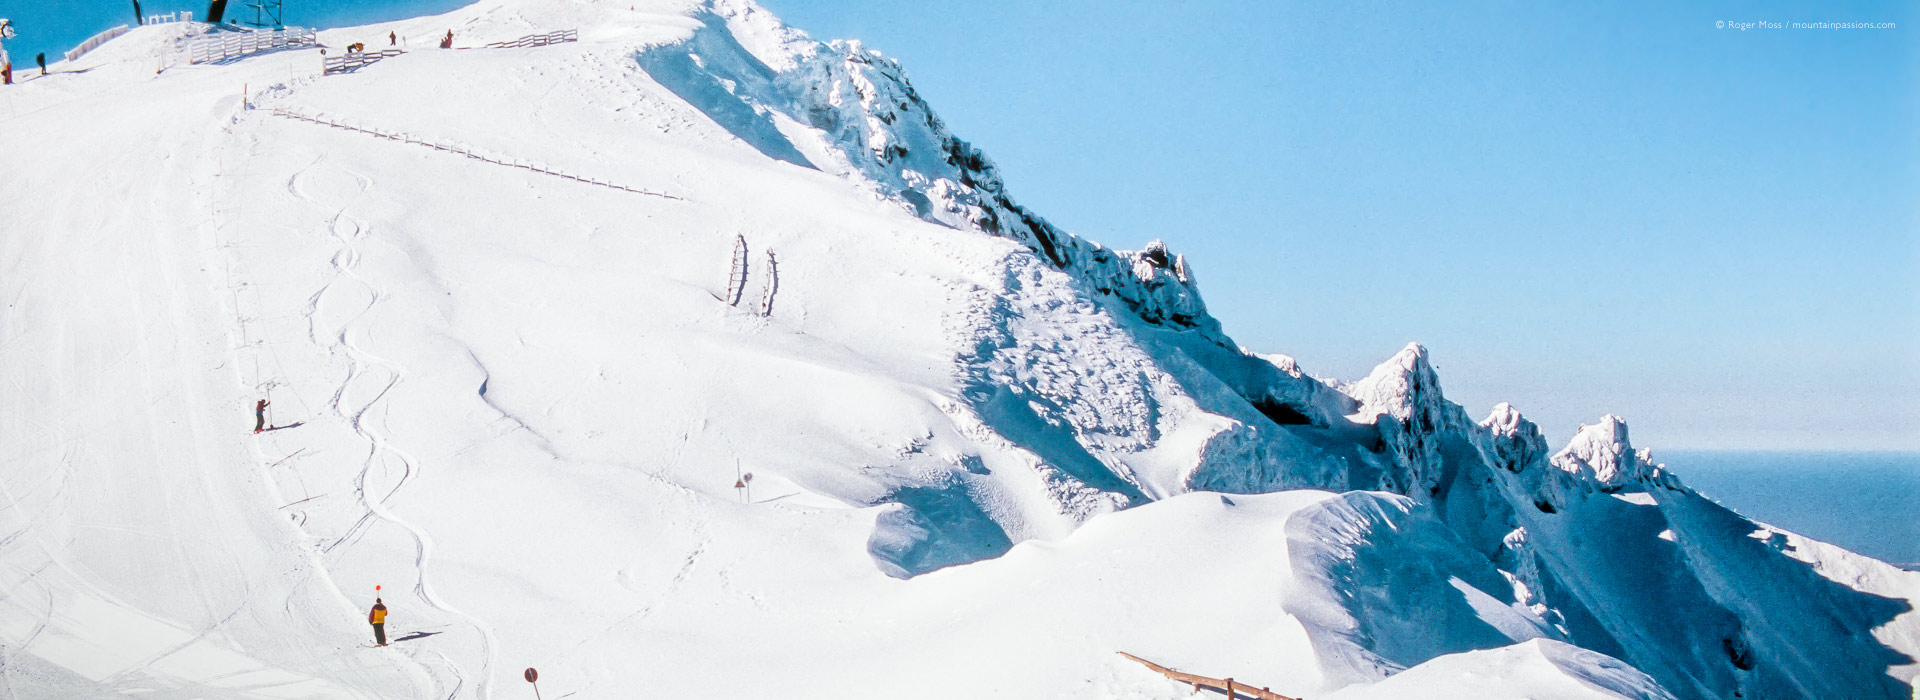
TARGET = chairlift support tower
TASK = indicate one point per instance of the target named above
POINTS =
(266, 14)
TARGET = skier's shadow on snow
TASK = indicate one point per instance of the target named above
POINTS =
(413, 636)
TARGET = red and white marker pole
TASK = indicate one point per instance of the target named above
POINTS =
(531, 676)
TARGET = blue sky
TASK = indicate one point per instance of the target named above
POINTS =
(1579, 208)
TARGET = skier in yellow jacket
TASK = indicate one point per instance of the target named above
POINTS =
(378, 616)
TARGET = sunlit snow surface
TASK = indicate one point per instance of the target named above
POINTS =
(982, 464)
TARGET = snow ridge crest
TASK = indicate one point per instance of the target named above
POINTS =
(879, 131)
(1403, 399)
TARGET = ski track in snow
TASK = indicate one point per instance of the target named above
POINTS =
(232, 254)
(375, 378)
(385, 375)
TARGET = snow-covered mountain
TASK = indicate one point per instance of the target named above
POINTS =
(527, 316)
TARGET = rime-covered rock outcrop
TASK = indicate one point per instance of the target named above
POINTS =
(1604, 545)
(877, 129)
(1402, 398)
(1600, 453)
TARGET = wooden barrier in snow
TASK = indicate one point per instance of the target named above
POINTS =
(737, 271)
(221, 45)
(449, 148)
(354, 60)
(95, 41)
(169, 18)
(530, 40)
(1227, 685)
(770, 285)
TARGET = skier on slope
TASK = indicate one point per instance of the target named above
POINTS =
(259, 415)
(447, 43)
(378, 617)
(42, 60)
(393, 39)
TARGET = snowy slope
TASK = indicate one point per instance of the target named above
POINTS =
(520, 403)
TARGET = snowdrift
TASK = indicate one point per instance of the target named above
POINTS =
(830, 416)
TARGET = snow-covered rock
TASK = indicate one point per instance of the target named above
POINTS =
(1402, 398)
(1601, 454)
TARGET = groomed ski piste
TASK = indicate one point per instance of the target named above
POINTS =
(517, 390)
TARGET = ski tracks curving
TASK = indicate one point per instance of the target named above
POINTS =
(360, 401)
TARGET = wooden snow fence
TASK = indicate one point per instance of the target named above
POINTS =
(737, 271)
(355, 60)
(531, 40)
(217, 46)
(169, 18)
(1232, 688)
(449, 148)
(94, 42)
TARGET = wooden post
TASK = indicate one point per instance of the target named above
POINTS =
(1229, 688)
